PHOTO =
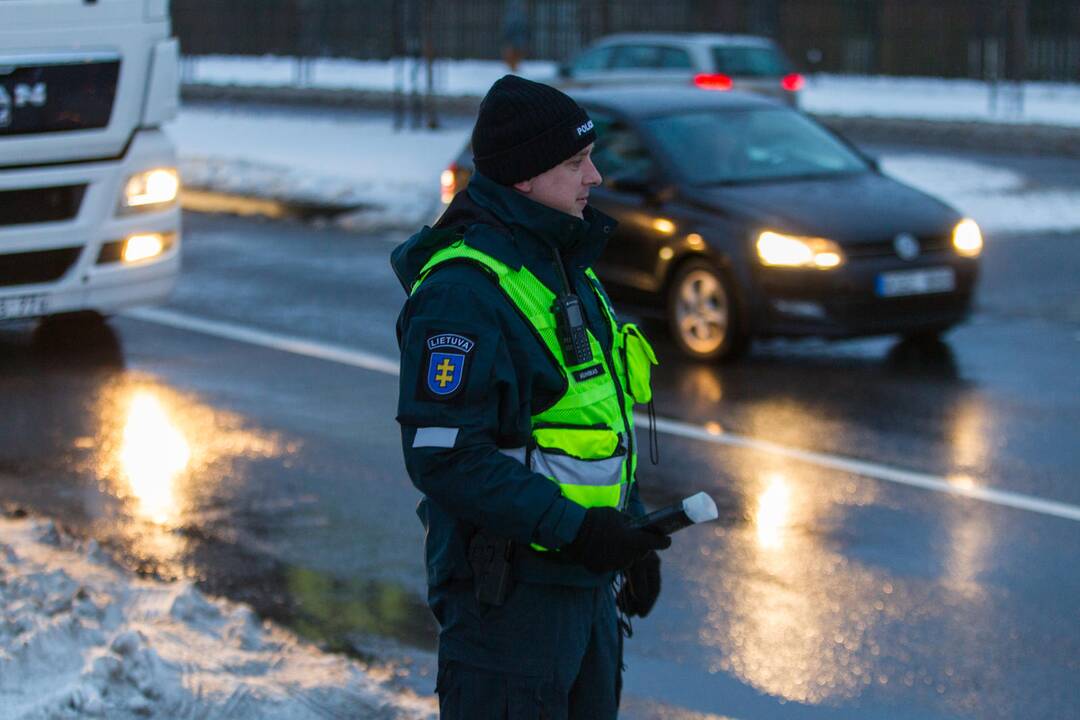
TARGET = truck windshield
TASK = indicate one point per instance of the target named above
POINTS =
(751, 145)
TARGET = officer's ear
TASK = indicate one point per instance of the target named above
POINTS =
(525, 186)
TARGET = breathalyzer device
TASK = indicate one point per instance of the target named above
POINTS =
(691, 511)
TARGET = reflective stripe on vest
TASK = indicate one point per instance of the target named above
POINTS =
(584, 442)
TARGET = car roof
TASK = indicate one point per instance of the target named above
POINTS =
(688, 39)
(658, 100)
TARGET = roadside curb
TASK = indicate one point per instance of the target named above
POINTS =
(994, 137)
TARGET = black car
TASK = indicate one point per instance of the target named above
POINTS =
(741, 218)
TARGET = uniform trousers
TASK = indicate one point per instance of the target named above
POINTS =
(551, 652)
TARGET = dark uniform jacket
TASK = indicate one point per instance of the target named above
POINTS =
(508, 377)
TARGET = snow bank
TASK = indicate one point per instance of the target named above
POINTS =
(1039, 103)
(81, 638)
(848, 95)
(452, 77)
(342, 160)
(333, 160)
(355, 160)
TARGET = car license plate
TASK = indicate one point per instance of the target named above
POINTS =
(22, 306)
(916, 282)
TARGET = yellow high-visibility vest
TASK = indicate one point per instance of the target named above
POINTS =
(585, 441)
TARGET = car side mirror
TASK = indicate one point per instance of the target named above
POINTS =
(873, 162)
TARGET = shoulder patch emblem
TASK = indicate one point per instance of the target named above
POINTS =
(447, 363)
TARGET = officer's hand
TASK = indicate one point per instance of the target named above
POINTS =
(641, 586)
(606, 542)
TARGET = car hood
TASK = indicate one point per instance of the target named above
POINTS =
(850, 209)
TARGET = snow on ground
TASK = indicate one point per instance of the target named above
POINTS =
(452, 77)
(876, 96)
(81, 638)
(335, 160)
(343, 160)
(941, 99)
(996, 198)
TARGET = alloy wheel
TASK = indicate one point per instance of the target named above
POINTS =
(702, 311)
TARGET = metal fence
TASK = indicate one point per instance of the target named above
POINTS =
(1032, 39)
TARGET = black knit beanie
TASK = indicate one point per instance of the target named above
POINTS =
(525, 128)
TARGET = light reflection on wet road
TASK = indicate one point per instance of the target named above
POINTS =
(277, 480)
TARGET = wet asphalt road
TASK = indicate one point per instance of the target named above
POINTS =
(276, 478)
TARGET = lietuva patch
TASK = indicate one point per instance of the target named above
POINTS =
(446, 364)
(589, 372)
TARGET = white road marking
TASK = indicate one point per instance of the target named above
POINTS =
(873, 470)
(678, 428)
(276, 341)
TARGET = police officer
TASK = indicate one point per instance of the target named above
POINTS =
(516, 410)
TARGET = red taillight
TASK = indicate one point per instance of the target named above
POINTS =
(793, 82)
(712, 81)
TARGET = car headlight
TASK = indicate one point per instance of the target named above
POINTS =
(151, 187)
(967, 239)
(776, 249)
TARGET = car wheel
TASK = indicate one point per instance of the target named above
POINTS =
(702, 317)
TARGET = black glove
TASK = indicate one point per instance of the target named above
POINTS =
(606, 541)
(641, 586)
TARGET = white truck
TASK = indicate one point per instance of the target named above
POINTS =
(89, 214)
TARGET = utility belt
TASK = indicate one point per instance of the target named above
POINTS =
(498, 564)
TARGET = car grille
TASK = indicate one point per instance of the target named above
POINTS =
(41, 266)
(39, 205)
(39, 97)
(884, 248)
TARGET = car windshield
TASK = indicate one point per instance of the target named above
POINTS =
(749, 61)
(751, 145)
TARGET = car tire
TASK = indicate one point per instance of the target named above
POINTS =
(702, 313)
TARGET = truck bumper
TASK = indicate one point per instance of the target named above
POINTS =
(57, 266)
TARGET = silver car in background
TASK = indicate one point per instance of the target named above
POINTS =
(708, 61)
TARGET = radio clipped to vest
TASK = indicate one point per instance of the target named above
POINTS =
(570, 326)
(571, 330)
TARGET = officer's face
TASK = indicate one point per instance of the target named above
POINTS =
(566, 186)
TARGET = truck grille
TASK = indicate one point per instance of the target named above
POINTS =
(42, 96)
(39, 205)
(41, 266)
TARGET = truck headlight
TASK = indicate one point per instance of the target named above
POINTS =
(967, 239)
(152, 187)
(136, 248)
(143, 247)
(777, 249)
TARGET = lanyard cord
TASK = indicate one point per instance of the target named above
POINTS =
(654, 437)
